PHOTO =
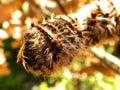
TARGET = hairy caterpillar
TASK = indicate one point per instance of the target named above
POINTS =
(52, 45)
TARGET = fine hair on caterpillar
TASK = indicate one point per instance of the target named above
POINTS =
(53, 44)
(47, 47)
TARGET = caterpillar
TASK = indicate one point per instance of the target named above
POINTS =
(50, 45)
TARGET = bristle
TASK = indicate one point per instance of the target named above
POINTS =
(49, 46)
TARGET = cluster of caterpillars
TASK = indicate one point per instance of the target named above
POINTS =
(51, 45)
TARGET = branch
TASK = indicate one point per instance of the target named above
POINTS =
(104, 56)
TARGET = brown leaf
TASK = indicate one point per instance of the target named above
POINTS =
(103, 69)
(97, 67)
(88, 69)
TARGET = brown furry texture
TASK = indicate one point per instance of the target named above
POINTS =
(49, 46)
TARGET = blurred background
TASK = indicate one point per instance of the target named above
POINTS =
(84, 73)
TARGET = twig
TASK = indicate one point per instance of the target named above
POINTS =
(61, 7)
(104, 56)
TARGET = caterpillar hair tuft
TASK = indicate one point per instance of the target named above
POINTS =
(52, 45)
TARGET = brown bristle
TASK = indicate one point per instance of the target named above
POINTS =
(48, 47)
(51, 45)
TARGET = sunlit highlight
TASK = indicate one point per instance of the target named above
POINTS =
(25, 7)
(5, 24)
(67, 74)
(2, 57)
(51, 4)
(17, 33)
(28, 22)
(17, 14)
(15, 21)
(3, 34)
